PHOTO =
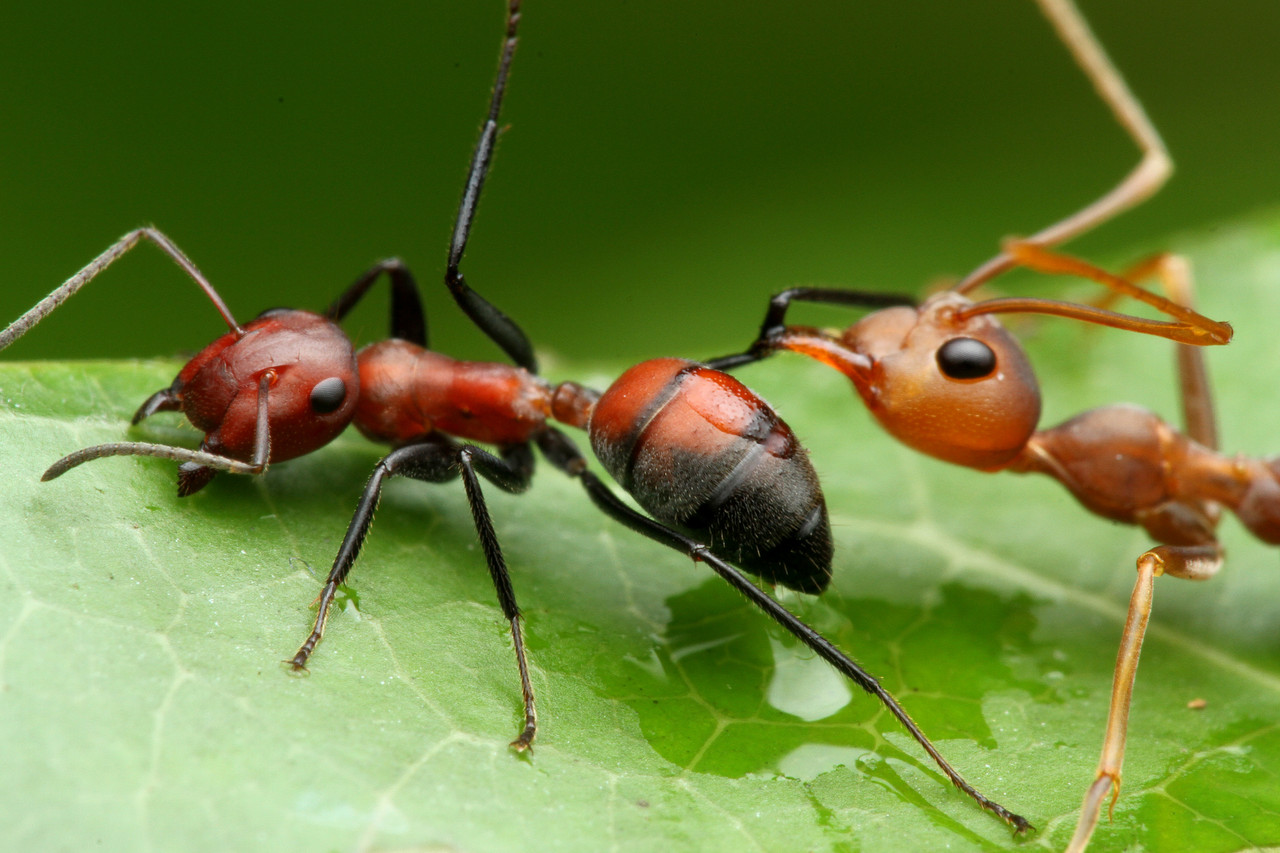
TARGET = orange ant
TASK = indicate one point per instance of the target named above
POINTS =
(945, 378)
(723, 478)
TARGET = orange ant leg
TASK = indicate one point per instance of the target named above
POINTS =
(1151, 173)
(1193, 562)
(1198, 416)
(1171, 485)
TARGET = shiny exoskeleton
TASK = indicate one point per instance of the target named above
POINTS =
(723, 478)
(945, 378)
(695, 447)
(313, 390)
(700, 451)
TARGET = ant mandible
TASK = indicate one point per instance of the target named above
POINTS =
(723, 478)
(946, 379)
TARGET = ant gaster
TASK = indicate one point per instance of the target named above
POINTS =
(945, 378)
(723, 477)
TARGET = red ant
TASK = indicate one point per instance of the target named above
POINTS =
(723, 478)
(946, 379)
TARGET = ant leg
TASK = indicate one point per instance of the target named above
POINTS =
(500, 328)
(1193, 562)
(438, 459)
(774, 325)
(1137, 186)
(408, 320)
(1198, 415)
(198, 465)
(68, 288)
(562, 453)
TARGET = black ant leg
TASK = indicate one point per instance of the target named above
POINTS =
(408, 320)
(775, 317)
(500, 328)
(563, 454)
(438, 459)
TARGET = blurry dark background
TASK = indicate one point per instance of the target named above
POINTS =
(669, 164)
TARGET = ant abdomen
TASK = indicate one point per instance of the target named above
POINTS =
(699, 450)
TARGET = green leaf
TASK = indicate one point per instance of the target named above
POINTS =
(143, 703)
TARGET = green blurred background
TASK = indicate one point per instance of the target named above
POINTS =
(669, 164)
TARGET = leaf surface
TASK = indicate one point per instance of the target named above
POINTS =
(143, 704)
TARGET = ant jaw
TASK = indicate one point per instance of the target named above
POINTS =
(192, 477)
(165, 400)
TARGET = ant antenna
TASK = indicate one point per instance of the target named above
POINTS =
(68, 288)
(1191, 328)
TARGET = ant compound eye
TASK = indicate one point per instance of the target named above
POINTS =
(966, 358)
(328, 395)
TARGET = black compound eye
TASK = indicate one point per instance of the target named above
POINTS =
(328, 395)
(966, 358)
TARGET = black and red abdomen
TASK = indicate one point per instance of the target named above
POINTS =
(699, 450)
(408, 391)
(310, 399)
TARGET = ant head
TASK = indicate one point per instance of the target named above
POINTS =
(310, 399)
(954, 385)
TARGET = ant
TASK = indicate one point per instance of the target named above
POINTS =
(945, 378)
(723, 478)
